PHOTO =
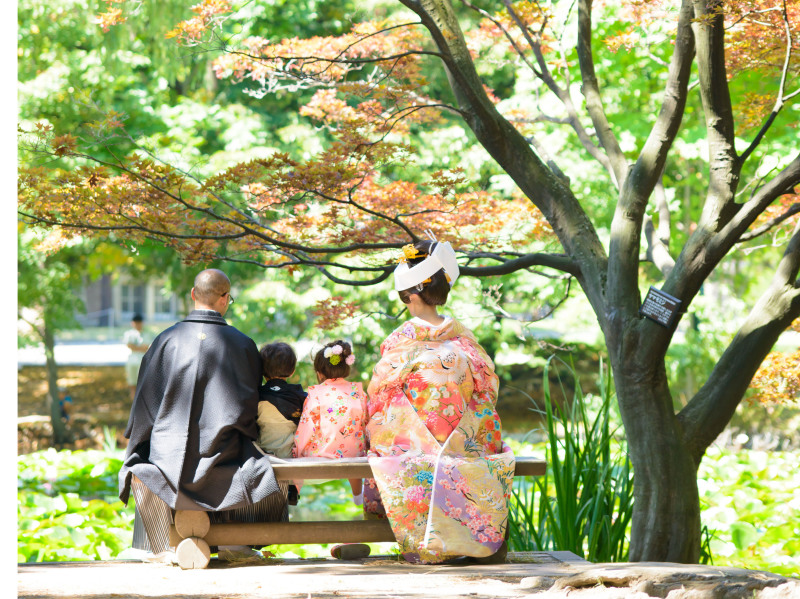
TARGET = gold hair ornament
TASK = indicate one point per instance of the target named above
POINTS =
(410, 253)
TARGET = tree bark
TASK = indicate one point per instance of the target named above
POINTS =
(513, 152)
(60, 432)
(665, 525)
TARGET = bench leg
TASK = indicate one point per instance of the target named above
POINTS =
(192, 523)
(193, 553)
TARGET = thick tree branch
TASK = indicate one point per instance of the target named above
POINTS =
(646, 172)
(658, 238)
(664, 216)
(709, 31)
(356, 283)
(591, 91)
(506, 266)
(709, 411)
(513, 152)
(782, 183)
(706, 246)
(657, 251)
(626, 226)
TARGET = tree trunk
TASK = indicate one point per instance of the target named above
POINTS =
(666, 509)
(60, 433)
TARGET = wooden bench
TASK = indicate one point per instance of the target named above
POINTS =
(194, 535)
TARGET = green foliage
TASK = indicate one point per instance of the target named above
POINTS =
(584, 503)
(68, 508)
(46, 283)
(752, 509)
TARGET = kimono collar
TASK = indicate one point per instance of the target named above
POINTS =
(209, 316)
(421, 332)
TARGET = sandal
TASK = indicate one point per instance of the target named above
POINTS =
(350, 551)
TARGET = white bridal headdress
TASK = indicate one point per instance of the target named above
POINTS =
(441, 257)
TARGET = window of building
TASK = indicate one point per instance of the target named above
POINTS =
(164, 304)
(132, 299)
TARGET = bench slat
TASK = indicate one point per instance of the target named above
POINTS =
(295, 533)
(330, 469)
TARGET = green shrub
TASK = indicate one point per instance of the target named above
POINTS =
(68, 509)
(751, 505)
(584, 502)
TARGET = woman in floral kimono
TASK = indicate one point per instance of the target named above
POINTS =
(442, 474)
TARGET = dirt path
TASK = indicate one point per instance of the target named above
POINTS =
(100, 398)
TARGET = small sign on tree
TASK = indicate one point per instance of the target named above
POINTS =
(660, 307)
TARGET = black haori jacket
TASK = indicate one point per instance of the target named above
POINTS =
(287, 398)
(193, 419)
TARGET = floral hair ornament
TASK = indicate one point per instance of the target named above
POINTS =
(441, 257)
(334, 355)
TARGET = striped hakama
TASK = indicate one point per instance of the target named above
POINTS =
(153, 516)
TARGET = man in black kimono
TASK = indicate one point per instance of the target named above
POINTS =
(193, 422)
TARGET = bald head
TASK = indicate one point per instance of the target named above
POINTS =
(210, 287)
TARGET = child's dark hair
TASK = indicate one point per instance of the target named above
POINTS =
(339, 370)
(434, 293)
(278, 360)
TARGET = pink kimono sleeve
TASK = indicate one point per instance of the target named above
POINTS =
(364, 407)
(305, 437)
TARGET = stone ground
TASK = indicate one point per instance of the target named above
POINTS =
(525, 575)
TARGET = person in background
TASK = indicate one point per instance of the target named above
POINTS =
(134, 340)
(64, 403)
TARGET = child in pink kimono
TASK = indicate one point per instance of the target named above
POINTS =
(335, 412)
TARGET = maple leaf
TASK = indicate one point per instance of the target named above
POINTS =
(778, 379)
(108, 19)
(331, 313)
(64, 145)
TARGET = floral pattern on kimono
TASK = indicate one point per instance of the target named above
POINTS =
(443, 474)
(333, 421)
